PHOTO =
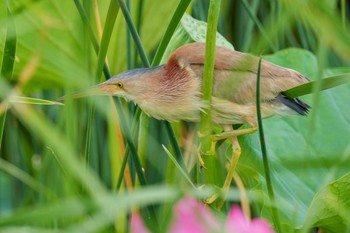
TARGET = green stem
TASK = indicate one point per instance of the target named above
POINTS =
(213, 17)
(145, 61)
(258, 24)
(134, 33)
(93, 38)
(112, 14)
(179, 12)
(343, 12)
(2, 125)
(270, 191)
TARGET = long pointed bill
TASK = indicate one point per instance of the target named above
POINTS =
(100, 89)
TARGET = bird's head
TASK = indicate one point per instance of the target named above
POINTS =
(132, 84)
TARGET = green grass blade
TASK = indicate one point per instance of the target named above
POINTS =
(93, 38)
(274, 211)
(258, 24)
(10, 46)
(23, 177)
(145, 61)
(2, 125)
(326, 83)
(125, 130)
(34, 101)
(112, 14)
(180, 10)
(8, 60)
(183, 172)
(134, 33)
(205, 127)
(213, 17)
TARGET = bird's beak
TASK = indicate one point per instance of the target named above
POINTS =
(100, 89)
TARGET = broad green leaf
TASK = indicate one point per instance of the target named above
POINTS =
(303, 159)
(294, 58)
(330, 208)
(191, 30)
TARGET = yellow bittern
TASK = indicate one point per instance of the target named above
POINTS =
(172, 91)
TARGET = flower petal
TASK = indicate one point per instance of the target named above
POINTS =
(193, 216)
(236, 221)
(137, 225)
(260, 225)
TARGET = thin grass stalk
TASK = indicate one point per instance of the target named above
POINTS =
(258, 24)
(128, 42)
(274, 211)
(128, 137)
(211, 162)
(174, 22)
(92, 36)
(145, 61)
(123, 121)
(122, 169)
(138, 24)
(316, 88)
(8, 60)
(207, 88)
(10, 46)
(87, 51)
(2, 124)
(88, 133)
(127, 152)
(112, 14)
(343, 13)
(179, 12)
(134, 33)
(25, 178)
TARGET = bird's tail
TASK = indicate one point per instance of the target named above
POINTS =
(294, 103)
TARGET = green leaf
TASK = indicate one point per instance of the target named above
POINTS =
(296, 59)
(191, 30)
(179, 13)
(112, 14)
(326, 83)
(330, 208)
(29, 100)
(8, 59)
(303, 158)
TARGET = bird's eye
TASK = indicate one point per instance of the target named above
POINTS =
(119, 84)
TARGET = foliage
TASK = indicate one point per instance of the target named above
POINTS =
(84, 166)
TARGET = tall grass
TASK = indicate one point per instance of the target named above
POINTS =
(84, 166)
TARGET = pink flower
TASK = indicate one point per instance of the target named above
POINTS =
(193, 216)
(237, 222)
(137, 224)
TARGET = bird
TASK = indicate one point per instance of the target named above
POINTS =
(173, 91)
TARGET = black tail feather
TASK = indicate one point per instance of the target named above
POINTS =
(295, 104)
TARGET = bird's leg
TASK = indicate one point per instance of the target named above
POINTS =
(236, 152)
(201, 162)
(232, 134)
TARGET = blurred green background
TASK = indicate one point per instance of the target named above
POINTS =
(77, 167)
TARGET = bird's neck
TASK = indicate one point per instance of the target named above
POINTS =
(171, 94)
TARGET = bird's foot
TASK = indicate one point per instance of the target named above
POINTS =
(201, 162)
(233, 133)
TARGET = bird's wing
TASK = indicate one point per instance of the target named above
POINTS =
(235, 73)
